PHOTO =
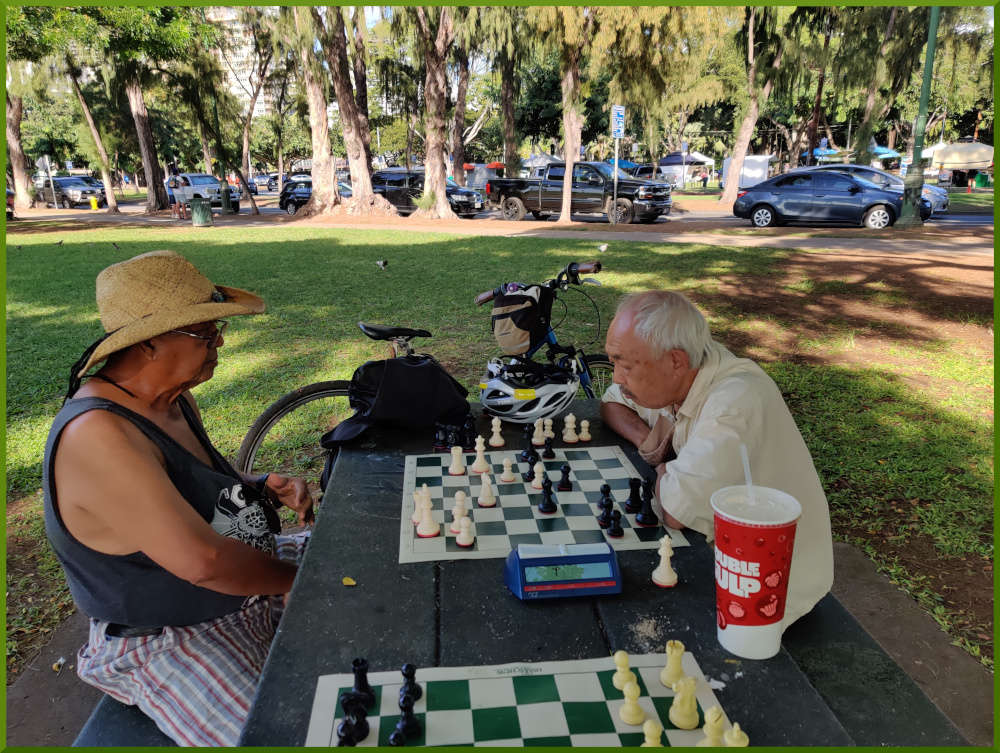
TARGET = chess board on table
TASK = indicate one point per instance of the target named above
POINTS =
(567, 703)
(515, 519)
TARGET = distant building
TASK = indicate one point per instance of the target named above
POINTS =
(237, 59)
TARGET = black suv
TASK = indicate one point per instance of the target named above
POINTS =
(296, 193)
(69, 191)
(402, 188)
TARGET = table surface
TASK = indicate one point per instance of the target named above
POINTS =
(830, 684)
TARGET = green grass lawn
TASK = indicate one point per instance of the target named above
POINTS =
(978, 202)
(877, 441)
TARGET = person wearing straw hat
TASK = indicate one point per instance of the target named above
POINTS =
(173, 554)
(688, 404)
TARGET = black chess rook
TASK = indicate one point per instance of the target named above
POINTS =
(361, 687)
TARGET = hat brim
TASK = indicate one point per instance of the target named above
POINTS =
(238, 303)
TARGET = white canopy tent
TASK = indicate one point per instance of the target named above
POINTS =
(928, 152)
(699, 157)
(963, 156)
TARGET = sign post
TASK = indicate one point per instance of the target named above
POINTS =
(617, 133)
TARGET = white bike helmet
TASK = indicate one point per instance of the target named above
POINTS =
(522, 395)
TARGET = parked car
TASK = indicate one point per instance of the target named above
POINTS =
(402, 187)
(272, 181)
(593, 193)
(295, 193)
(10, 204)
(938, 197)
(186, 186)
(821, 196)
(652, 172)
(69, 191)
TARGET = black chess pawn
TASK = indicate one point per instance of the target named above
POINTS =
(615, 530)
(529, 448)
(529, 475)
(397, 739)
(408, 723)
(607, 505)
(565, 485)
(410, 685)
(646, 516)
(361, 686)
(634, 502)
(547, 505)
(548, 453)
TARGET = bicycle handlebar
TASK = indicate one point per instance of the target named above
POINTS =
(570, 274)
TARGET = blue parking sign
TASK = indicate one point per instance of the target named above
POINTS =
(617, 121)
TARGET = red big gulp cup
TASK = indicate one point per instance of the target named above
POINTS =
(753, 554)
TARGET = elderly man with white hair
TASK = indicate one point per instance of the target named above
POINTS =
(688, 404)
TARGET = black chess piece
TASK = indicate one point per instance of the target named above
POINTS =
(408, 723)
(410, 685)
(361, 686)
(634, 502)
(397, 739)
(547, 504)
(440, 438)
(533, 456)
(529, 475)
(469, 433)
(615, 530)
(354, 728)
(548, 453)
(453, 438)
(565, 485)
(646, 516)
(607, 505)
(529, 448)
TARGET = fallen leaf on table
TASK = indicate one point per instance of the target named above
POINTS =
(348, 581)
(57, 665)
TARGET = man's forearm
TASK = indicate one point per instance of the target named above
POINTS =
(624, 421)
(238, 569)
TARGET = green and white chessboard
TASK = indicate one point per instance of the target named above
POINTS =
(515, 519)
(566, 703)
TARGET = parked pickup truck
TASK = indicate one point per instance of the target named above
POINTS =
(593, 193)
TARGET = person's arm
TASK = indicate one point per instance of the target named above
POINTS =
(624, 421)
(126, 502)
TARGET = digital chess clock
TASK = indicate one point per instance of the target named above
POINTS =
(539, 571)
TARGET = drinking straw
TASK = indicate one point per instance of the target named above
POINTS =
(746, 473)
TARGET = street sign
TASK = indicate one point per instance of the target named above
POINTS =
(617, 121)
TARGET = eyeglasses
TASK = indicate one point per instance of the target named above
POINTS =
(220, 327)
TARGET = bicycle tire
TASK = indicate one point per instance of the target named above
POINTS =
(602, 375)
(260, 432)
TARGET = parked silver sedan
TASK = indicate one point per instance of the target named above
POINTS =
(936, 197)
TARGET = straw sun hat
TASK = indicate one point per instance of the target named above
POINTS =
(154, 293)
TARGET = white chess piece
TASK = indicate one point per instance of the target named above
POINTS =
(623, 675)
(508, 471)
(714, 721)
(735, 737)
(569, 435)
(652, 730)
(480, 465)
(418, 502)
(549, 433)
(496, 440)
(538, 438)
(486, 497)
(673, 671)
(664, 575)
(684, 709)
(584, 435)
(631, 712)
(536, 482)
(465, 535)
(457, 467)
(458, 511)
(427, 526)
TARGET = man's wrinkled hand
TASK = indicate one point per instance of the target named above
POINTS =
(293, 494)
(655, 447)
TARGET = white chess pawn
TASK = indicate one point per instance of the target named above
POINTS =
(486, 497)
(480, 465)
(623, 675)
(569, 435)
(465, 535)
(584, 435)
(664, 575)
(684, 709)
(714, 721)
(536, 482)
(652, 731)
(735, 737)
(457, 467)
(428, 527)
(549, 433)
(631, 712)
(508, 471)
(458, 511)
(538, 438)
(673, 671)
(496, 440)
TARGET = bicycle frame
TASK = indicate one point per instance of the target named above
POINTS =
(581, 363)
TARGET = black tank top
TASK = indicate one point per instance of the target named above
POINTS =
(131, 589)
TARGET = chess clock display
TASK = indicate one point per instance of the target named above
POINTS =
(539, 571)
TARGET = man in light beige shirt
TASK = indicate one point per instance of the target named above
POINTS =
(674, 387)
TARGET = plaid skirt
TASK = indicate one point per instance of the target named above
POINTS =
(196, 682)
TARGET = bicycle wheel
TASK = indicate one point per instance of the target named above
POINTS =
(602, 375)
(285, 438)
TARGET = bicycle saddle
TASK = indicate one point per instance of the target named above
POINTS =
(382, 332)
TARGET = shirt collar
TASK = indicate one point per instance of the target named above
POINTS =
(702, 381)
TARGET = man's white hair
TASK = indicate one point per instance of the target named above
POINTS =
(666, 320)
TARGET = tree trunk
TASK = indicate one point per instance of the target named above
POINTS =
(156, 193)
(862, 149)
(572, 127)
(458, 131)
(206, 148)
(324, 182)
(360, 61)
(814, 120)
(15, 111)
(246, 132)
(102, 153)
